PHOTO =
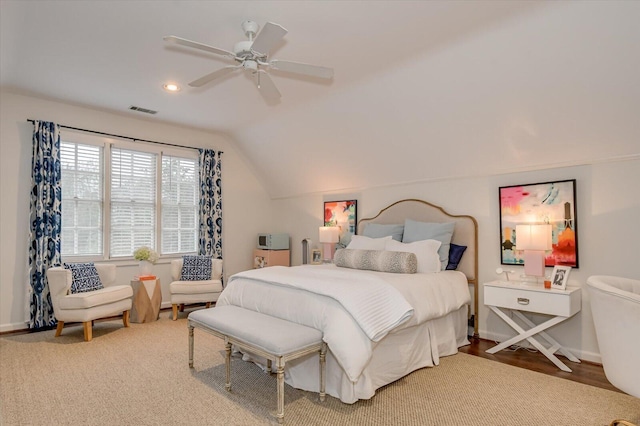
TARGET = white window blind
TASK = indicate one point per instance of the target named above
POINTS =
(133, 201)
(179, 205)
(82, 194)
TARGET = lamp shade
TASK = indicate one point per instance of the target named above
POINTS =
(329, 234)
(533, 237)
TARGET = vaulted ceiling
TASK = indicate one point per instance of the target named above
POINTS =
(422, 90)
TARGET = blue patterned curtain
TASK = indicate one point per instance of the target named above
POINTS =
(210, 203)
(45, 220)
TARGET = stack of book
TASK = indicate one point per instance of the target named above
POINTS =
(144, 277)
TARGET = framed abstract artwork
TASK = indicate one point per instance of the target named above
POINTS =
(344, 215)
(551, 203)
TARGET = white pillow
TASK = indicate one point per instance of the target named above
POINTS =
(426, 251)
(360, 242)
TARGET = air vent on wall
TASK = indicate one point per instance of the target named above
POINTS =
(140, 109)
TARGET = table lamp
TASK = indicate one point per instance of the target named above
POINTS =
(329, 236)
(534, 240)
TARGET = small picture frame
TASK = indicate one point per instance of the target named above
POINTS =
(560, 277)
(316, 257)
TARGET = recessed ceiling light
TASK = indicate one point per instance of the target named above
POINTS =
(171, 87)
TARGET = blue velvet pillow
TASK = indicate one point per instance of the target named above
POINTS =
(196, 268)
(418, 231)
(84, 277)
(376, 230)
(455, 255)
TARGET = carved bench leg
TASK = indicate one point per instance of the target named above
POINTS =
(280, 379)
(228, 365)
(323, 361)
(190, 346)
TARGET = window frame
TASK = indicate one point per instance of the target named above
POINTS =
(107, 143)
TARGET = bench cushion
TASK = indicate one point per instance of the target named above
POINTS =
(272, 335)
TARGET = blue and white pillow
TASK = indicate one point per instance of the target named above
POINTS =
(196, 268)
(84, 277)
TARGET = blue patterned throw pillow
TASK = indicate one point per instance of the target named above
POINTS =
(196, 268)
(84, 277)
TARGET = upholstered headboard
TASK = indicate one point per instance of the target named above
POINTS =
(465, 233)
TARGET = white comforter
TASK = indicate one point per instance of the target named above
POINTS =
(343, 303)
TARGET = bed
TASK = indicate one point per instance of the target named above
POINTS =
(379, 326)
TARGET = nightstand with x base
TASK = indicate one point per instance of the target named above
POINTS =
(504, 296)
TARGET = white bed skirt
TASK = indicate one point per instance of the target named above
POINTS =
(394, 357)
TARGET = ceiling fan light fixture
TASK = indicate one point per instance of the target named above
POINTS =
(171, 87)
(253, 55)
(250, 65)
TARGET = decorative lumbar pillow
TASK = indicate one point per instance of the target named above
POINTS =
(376, 230)
(377, 260)
(426, 252)
(196, 268)
(417, 231)
(360, 242)
(455, 255)
(84, 277)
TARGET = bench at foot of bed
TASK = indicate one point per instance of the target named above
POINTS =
(275, 339)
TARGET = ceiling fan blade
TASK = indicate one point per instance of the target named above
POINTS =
(212, 76)
(300, 68)
(266, 86)
(194, 44)
(268, 37)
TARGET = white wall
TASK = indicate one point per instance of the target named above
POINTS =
(246, 207)
(608, 202)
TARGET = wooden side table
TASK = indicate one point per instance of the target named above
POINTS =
(264, 258)
(147, 298)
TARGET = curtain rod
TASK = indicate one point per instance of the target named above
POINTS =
(120, 136)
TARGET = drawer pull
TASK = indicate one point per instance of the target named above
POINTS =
(523, 301)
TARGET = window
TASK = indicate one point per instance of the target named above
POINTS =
(179, 205)
(133, 201)
(82, 189)
(117, 197)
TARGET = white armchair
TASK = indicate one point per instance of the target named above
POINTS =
(85, 307)
(615, 303)
(187, 292)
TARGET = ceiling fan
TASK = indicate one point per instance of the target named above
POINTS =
(252, 56)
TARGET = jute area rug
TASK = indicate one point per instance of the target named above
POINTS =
(140, 375)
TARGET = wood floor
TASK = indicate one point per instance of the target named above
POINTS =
(584, 372)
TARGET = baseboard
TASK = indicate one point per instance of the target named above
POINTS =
(582, 355)
(18, 326)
